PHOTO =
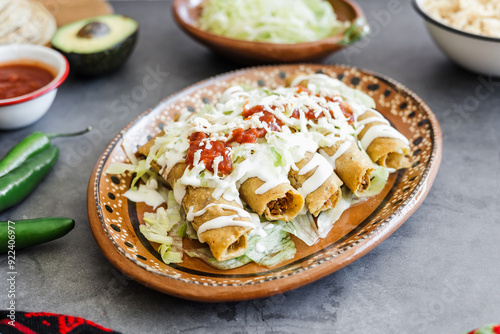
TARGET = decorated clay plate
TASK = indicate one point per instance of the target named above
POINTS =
(115, 220)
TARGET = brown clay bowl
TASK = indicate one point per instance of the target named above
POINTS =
(187, 12)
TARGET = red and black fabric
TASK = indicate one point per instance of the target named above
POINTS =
(48, 323)
(486, 329)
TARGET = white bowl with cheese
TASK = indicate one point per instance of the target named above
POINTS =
(477, 53)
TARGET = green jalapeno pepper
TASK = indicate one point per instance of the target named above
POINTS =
(24, 233)
(28, 147)
(19, 182)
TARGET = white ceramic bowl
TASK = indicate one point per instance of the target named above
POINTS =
(24, 110)
(477, 53)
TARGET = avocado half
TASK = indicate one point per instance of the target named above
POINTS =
(97, 45)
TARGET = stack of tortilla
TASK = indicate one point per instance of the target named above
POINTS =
(25, 21)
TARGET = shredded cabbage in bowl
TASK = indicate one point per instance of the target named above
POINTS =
(273, 21)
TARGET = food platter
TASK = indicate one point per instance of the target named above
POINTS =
(115, 221)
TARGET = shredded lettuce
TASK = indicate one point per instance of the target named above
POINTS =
(304, 228)
(190, 232)
(273, 248)
(157, 226)
(284, 153)
(273, 21)
(171, 143)
(163, 227)
(187, 230)
(120, 168)
(328, 218)
(356, 96)
(181, 232)
(276, 157)
(268, 92)
(204, 254)
(309, 231)
(350, 94)
(173, 208)
(168, 255)
(140, 170)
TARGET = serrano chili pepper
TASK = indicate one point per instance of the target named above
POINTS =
(24, 233)
(28, 147)
(19, 183)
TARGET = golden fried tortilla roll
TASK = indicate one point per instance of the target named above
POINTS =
(202, 208)
(144, 149)
(282, 202)
(351, 165)
(311, 172)
(386, 146)
(225, 242)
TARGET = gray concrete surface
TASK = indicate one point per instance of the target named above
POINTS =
(438, 273)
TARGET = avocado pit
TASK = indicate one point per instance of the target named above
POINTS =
(94, 30)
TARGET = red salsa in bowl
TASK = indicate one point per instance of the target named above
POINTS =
(23, 77)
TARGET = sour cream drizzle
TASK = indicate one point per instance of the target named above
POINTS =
(228, 220)
(361, 124)
(320, 175)
(220, 222)
(241, 212)
(375, 131)
(381, 130)
(341, 150)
